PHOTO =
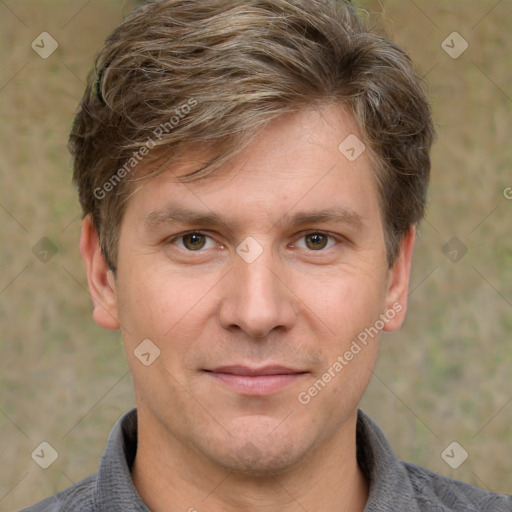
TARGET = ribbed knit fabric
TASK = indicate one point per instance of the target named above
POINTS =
(395, 486)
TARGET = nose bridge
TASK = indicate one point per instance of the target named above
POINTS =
(258, 301)
(258, 278)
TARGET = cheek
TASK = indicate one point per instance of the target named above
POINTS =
(348, 300)
(347, 314)
(159, 305)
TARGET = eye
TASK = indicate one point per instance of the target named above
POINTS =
(193, 241)
(317, 241)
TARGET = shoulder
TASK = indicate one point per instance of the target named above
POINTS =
(435, 492)
(397, 485)
(77, 497)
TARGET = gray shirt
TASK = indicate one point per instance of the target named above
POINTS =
(395, 486)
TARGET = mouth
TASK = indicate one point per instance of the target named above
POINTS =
(256, 381)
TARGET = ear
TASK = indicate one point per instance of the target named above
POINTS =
(100, 278)
(398, 282)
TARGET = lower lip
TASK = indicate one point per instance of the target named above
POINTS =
(258, 385)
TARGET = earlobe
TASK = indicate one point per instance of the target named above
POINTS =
(100, 278)
(398, 285)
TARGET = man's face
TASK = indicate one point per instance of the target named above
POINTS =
(247, 326)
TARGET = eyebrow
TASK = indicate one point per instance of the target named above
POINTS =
(174, 214)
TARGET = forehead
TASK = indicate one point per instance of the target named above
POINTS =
(305, 161)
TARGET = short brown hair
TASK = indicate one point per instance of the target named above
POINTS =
(178, 75)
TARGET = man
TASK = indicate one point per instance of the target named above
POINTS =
(251, 174)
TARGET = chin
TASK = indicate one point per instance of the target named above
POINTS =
(250, 462)
(261, 456)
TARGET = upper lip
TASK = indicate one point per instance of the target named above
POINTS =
(254, 371)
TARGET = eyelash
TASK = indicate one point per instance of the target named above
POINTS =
(173, 240)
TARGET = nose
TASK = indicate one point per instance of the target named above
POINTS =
(257, 299)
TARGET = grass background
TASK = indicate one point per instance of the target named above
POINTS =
(446, 376)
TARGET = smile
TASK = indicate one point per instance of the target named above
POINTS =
(256, 381)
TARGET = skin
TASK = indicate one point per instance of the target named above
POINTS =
(203, 444)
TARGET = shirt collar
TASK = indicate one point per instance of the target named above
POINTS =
(389, 485)
(114, 485)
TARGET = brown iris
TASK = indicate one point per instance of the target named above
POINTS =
(194, 241)
(316, 241)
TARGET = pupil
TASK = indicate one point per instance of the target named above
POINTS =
(317, 241)
(194, 241)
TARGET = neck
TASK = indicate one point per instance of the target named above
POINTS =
(171, 477)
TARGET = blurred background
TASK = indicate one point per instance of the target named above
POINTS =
(445, 377)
